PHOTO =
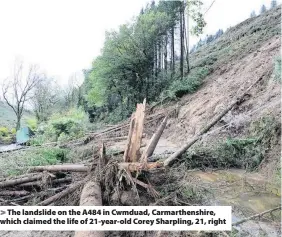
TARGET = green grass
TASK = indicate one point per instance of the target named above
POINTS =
(17, 162)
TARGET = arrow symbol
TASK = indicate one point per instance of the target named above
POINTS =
(2, 212)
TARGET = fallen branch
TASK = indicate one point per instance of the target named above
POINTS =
(256, 216)
(13, 182)
(14, 193)
(38, 183)
(237, 101)
(154, 141)
(62, 194)
(66, 167)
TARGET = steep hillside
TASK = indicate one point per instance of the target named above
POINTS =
(241, 56)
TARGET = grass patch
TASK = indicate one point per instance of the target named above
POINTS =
(17, 162)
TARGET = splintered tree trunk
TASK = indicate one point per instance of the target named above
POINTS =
(90, 196)
(132, 151)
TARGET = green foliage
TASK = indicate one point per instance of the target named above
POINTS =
(61, 127)
(277, 69)
(18, 162)
(48, 156)
(7, 135)
(130, 68)
(32, 123)
(246, 153)
(187, 85)
(4, 131)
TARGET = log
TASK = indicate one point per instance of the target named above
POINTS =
(66, 167)
(186, 146)
(256, 216)
(14, 193)
(13, 182)
(90, 196)
(38, 183)
(62, 194)
(136, 166)
(154, 141)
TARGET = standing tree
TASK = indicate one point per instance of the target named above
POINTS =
(263, 9)
(18, 89)
(253, 14)
(273, 4)
(45, 98)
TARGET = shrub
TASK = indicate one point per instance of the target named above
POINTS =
(32, 123)
(4, 131)
(187, 85)
(61, 127)
(246, 153)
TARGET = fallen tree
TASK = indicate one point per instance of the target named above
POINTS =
(55, 168)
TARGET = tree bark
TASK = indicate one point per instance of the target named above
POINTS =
(154, 141)
(90, 196)
(54, 168)
(13, 182)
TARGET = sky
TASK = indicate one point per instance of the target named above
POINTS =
(64, 36)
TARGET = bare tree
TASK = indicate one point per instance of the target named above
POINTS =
(72, 91)
(46, 97)
(17, 90)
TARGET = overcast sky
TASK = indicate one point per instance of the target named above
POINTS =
(63, 36)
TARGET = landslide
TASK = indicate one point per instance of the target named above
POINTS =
(242, 55)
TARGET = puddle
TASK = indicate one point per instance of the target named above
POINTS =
(248, 194)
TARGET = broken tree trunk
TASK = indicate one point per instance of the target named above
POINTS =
(54, 168)
(132, 150)
(90, 196)
(27, 179)
(237, 101)
(62, 194)
(154, 141)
